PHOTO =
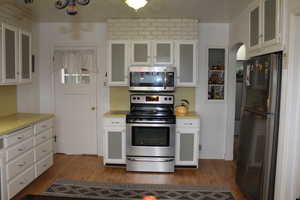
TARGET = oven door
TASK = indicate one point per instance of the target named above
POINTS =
(151, 140)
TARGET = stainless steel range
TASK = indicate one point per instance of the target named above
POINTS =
(151, 133)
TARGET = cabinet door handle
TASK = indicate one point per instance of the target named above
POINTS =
(44, 137)
(44, 151)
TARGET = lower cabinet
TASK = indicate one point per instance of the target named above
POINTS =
(187, 144)
(27, 154)
(114, 141)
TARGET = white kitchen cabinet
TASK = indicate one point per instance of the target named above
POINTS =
(163, 52)
(181, 54)
(9, 72)
(254, 21)
(118, 57)
(114, 140)
(265, 27)
(24, 158)
(187, 142)
(141, 53)
(186, 62)
(25, 62)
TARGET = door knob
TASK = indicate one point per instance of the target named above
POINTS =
(93, 108)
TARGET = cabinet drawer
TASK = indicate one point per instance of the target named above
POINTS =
(19, 165)
(44, 125)
(20, 182)
(43, 165)
(188, 123)
(43, 137)
(18, 136)
(42, 150)
(114, 121)
(19, 149)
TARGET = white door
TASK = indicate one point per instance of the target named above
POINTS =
(75, 109)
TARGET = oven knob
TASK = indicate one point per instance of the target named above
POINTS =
(134, 98)
(138, 98)
(170, 99)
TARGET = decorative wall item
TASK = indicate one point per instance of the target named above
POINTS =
(71, 5)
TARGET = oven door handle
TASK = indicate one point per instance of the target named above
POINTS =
(151, 160)
(151, 122)
(150, 125)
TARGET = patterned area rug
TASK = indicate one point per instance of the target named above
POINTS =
(113, 191)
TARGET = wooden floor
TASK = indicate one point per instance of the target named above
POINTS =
(90, 168)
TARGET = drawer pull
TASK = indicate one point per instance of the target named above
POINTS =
(44, 126)
(20, 137)
(22, 165)
(21, 183)
(20, 149)
(44, 137)
(115, 122)
(45, 165)
(188, 123)
(44, 151)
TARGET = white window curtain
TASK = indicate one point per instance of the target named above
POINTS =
(75, 61)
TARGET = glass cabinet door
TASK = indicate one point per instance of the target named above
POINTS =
(9, 53)
(25, 56)
(254, 26)
(163, 52)
(187, 66)
(270, 21)
(141, 53)
(216, 73)
(118, 63)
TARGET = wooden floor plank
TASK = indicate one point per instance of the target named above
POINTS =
(90, 168)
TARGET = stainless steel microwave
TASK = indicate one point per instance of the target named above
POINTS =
(148, 79)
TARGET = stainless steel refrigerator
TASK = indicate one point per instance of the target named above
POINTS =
(256, 164)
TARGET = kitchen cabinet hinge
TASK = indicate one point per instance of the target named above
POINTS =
(200, 147)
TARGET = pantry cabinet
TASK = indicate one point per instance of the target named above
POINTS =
(114, 140)
(187, 142)
(118, 63)
(186, 62)
(265, 27)
(9, 63)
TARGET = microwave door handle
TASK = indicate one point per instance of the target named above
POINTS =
(165, 82)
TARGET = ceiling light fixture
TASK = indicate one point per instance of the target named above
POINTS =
(136, 4)
(71, 6)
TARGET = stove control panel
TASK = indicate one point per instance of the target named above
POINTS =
(152, 99)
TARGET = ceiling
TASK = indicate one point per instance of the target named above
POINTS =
(101, 10)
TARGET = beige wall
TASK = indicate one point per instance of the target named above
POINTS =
(119, 97)
(8, 100)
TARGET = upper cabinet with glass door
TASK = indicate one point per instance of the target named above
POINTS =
(186, 62)
(25, 56)
(163, 52)
(117, 63)
(265, 26)
(141, 53)
(9, 72)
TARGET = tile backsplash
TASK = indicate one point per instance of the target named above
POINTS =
(119, 98)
